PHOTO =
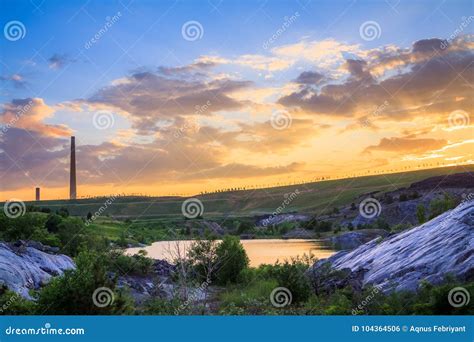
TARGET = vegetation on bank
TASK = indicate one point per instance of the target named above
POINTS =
(219, 269)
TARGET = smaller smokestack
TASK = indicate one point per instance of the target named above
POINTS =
(37, 194)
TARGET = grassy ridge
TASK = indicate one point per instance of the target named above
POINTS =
(313, 197)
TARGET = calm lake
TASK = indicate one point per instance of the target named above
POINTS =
(264, 251)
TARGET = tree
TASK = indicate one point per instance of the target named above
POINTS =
(231, 258)
(53, 222)
(63, 212)
(203, 257)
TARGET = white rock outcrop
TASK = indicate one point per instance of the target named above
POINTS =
(24, 267)
(442, 246)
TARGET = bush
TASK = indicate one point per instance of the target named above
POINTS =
(231, 258)
(318, 226)
(53, 222)
(380, 223)
(291, 274)
(12, 303)
(63, 212)
(72, 293)
(20, 228)
(403, 197)
(244, 227)
(137, 264)
(420, 213)
(440, 205)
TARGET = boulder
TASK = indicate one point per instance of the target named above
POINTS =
(25, 266)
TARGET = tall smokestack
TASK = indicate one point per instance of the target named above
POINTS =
(72, 175)
(37, 194)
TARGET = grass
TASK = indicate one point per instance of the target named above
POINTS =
(316, 197)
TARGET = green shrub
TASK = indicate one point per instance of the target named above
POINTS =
(440, 205)
(421, 213)
(12, 303)
(232, 260)
(137, 264)
(72, 293)
(20, 228)
(53, 222)
(291, 274)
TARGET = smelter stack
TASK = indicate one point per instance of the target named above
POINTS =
(72, 175)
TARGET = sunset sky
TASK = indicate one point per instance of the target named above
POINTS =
(181, 97)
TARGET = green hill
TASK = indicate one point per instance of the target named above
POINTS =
(315, 197)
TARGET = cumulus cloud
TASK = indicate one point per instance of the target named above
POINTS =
(195, 122)
(30, 158)
(150, 98)
(29, 114)
(433, 80)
